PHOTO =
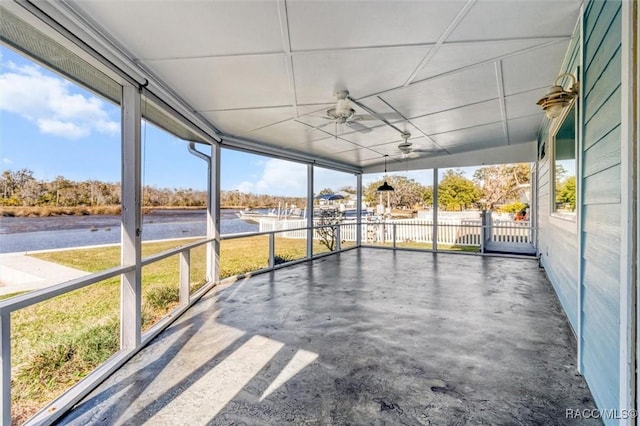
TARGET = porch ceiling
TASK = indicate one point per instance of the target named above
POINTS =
(459, 76)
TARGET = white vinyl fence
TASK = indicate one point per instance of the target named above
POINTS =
(462, 232)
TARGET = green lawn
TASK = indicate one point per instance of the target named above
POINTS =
(56, 343)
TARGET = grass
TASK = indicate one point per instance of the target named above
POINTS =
(46, 211)
(58, 342)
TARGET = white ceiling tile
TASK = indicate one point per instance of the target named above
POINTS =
(524, 129)
(237, 122)
(459, 118)
(472, 139)
(443, 93)
(319, 75)
(228, 82)
(345, 24)
(287, 134)
(381, 135)
(491, 19)
(524, 104)
(328, 146)
(181, 29)
(533, 69)
(450, 57)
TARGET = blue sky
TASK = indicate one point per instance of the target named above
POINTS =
(53, 127)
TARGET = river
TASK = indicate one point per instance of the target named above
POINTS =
(18, 234)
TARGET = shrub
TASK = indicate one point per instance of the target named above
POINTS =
(282, 258)
(161, 297)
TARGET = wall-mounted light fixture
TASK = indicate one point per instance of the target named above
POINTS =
(557, 98)
(385, 187)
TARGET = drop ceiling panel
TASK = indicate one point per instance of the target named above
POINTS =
(480, 137)
(287, 134)
(238, 122)
(451, 57)
(326, 147)
(459, 118)
(319, 75)
(524, 104)
(347, 24)
(490, 19)
(444, 93)
(181, 29)
(533, 69)
(381, 135)
(228, 82)
(524, 129)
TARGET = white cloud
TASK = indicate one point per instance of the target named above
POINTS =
(246, 187)
(49, 102)
(60, 128)
(282, 178)
(5, 160)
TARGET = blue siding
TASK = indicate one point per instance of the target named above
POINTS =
(602, 186)
(601, 211)
(557, 243)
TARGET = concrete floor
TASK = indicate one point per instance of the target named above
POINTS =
(368, 336)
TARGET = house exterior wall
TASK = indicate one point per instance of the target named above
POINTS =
(584, 264)
(602, 185)
(558, 238)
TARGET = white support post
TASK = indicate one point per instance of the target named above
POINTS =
(131, 284)
(434, 245)
(272, 250)
(393, 234)
(185, 277)
(213, 216)
(309, 211)
(358, 209)
(629, 232)
(5, 339)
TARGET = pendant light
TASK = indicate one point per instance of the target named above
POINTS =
(385, 187)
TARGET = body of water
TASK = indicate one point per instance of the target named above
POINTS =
(19, 234)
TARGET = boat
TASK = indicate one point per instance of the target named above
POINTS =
(255, 216)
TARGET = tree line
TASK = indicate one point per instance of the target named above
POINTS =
(21, 189)
(490, 187)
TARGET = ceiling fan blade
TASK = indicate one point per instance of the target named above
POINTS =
(369, 117)
(358, 127)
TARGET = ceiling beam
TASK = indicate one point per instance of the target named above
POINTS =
(445, 35)
(286, 46)
(501, 99)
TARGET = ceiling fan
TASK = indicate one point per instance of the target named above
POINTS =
(344, 113)
(408, 150)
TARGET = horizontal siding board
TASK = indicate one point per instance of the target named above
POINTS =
(558, 247)
(599, 251)
(604, 154)
(604, 120)
(591, 13)
(602, 219)
(600, 89)
(606, 29)
(603, 187)
(603, 388)
(602, 287)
